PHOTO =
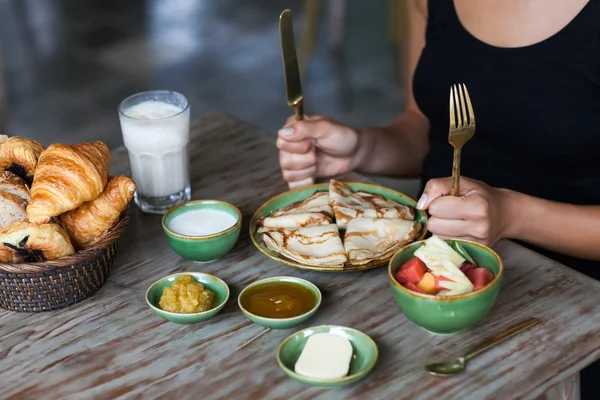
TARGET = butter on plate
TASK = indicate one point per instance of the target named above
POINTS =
(325, 356)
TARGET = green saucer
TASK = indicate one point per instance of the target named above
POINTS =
(364, 356)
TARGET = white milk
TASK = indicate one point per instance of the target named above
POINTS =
(156, 135)
(201, 222)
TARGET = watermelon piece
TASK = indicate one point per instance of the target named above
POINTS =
(411, 271)
(438, 279)
(427, 284)
(480, 277)
(466, 267)
(412, 286)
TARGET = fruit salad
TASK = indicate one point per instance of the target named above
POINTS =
(441, 269)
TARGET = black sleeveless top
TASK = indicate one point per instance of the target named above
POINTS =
(537, 109)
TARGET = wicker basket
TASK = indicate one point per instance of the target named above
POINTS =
(59, 283)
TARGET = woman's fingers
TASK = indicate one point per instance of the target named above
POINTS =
(449, 227)
(299, 175)
(457, 228)
(307, 129)
(438, 187)
(472, 206)
(295, 161)
(302, 183)
(301, 147)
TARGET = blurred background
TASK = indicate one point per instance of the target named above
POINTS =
(67, 64)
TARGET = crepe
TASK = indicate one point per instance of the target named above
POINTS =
(348, 205)
(317, 202)
(377, 239)
(315, 210)
(296, 220)
(313, 245)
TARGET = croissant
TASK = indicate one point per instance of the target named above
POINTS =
(66, 177)
(14, 184)
(88, 224)
(19, 156)
(24, 242)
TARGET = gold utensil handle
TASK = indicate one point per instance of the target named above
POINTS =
(494, 340)
(299, 110)
(456, 172)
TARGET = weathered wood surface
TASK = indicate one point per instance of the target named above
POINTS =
(112, 346)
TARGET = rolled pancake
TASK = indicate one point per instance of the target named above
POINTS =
(348, 205)
(296, 220)
(317, 202)
(377, 239)
(312, 245)
(315, 210)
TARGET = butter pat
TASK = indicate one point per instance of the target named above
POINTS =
(325, 356)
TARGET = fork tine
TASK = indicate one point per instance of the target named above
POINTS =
(469, 106)
(463, 108)
(452, 116)
(459, 121)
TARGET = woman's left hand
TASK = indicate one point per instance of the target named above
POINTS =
(478, 214)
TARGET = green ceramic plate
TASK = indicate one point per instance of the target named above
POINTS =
(364, 355)
(296, 195)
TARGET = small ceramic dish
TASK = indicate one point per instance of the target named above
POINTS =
(203, 248)
(282, 323)
(364, 355)
(447, 314)
(216, 285)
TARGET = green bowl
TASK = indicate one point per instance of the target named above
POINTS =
(447, 314)
(300, 194)
(203, 248)
(282, 323)
(211, 282)
(363, 360)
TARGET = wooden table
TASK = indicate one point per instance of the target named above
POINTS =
(112, 345)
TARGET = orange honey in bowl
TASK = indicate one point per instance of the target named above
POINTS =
(278, 300)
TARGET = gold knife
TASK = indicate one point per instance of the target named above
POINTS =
(293, 86)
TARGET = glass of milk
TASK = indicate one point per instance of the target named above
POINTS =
(156, 132)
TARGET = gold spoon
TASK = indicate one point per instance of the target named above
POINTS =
(453, 367)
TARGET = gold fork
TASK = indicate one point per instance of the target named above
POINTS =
(461, 128)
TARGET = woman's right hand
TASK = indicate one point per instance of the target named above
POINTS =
(334, 150)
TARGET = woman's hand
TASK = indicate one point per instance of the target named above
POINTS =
(479, 214)
(334, 148)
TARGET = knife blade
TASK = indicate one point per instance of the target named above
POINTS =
(293, 86)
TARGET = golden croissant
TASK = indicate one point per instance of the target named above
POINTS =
(66, 177)
(19, 156)
(24, 242)
(89, 223)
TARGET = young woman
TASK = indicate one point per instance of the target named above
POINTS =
(532, 170)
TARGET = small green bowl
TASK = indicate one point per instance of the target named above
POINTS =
(216, 285)
(282, 323)
(443, 315)
(364, 356)
(203, 248)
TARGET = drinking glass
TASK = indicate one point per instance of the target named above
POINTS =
(156, 133)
